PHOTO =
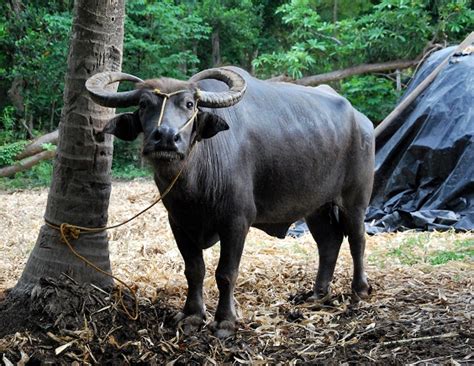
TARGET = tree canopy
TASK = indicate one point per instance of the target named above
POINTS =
(176, 38)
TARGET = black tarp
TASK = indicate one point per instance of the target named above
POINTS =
(424, 177)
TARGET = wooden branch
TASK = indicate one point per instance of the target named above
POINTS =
(27, 163)
(282, 77)
(36, 146)
(355, 70)
(344, 73)
(390, 123)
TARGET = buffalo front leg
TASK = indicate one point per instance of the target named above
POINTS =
(232, 244)
(328, 234)
(193, 312)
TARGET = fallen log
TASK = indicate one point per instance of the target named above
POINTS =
(26, 163)
(36, 146)
(355, 70)
(314, 80)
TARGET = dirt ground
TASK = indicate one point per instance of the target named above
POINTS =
(420, 312)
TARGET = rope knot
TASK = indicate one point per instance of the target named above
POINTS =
(70, 231)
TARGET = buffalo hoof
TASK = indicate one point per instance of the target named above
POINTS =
(223, 329)
(320, 299)
(361, 292)
(189, 323)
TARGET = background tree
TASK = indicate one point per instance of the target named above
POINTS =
(236, 27)
(80, 188)
(298, 38)
(362, 33)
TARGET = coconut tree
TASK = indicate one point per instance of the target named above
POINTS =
(81, 184)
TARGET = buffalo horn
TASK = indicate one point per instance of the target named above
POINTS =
(234, 81)
(96, 86)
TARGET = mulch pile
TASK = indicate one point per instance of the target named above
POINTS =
(418, 313)
(68, 323)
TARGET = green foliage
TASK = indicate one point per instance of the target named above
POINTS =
(406, 252)
(175, 38)
(130, 171)
(9, 145)
(455, 18)
(374, 96)
(416, 249)
(467, 243)
(389, 30)
(320, 41)
(445, 256)
(238, 25)
(160, 38)
(38, 176)
(461, 250)
(7, 123)
(127, 163)
(48, 147)
(9, 151)
(37, 44)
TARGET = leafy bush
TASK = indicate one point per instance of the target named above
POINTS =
(9, 151)
(130, 171)
(159, 37)
(127, 163)
(373, 96)
(9, 145)
(389, 30)
(38, 42)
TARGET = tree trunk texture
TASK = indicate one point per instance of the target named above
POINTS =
(216, 49)
(81, 185)
(15, 93)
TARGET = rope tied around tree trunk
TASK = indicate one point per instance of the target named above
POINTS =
(72, 232)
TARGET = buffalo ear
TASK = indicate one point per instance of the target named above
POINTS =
(209, 124)
(125, 126)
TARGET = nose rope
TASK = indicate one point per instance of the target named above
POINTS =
(166, 96)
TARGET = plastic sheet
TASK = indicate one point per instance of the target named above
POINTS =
(424, 177)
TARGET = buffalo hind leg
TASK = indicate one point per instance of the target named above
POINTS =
(193, 313)
(328, 234)
(232, 245)
(353, 221)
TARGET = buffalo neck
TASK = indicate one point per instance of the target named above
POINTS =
(204, 173)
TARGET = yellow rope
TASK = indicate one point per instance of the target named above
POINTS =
(74, 231)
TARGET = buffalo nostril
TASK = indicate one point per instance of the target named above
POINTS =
(157, 135)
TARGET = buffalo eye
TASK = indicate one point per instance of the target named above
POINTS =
(143, 104)
(189, 105)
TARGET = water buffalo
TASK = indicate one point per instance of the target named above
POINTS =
(257, 153)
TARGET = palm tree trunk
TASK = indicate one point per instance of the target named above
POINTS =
(81, 184)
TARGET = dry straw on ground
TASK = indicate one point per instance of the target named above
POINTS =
(419, 313)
